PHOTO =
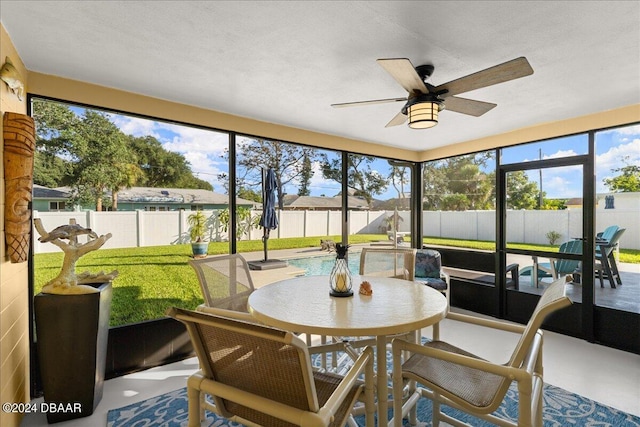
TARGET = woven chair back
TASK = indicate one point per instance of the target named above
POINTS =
(388, 262)
(225, 281)
(253, 358)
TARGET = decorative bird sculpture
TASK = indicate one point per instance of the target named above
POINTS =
(68, 231)
(10, 75)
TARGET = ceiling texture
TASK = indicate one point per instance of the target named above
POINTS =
(286, 62)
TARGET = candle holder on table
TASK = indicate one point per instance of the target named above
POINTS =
(340, 279)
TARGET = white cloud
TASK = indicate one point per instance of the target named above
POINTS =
(560, 153)
(613, 159)
(135, 126)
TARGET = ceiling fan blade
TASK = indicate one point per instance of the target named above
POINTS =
(374, 101)
(509, 70)
(397, 120)
(467, 106)
(404, 72)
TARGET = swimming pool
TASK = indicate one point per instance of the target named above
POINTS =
(322, 265)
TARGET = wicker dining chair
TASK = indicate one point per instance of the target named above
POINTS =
(226, 284)
(258, 375)
(451, 376)
(388, 262)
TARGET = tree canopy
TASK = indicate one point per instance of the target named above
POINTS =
(364, 181)
(627, 181)
(459, 183)
(291, 164)
(90, 154)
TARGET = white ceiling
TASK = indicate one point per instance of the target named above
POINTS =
(286, 62)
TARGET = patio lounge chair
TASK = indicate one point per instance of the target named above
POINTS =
(459, 379)
(258, 375)
(557, 267)
(607, 234)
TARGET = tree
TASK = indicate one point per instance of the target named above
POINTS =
(521, 193)
(361, 178)
(50, 170)
(628, 181)
(55, 133)
(458, 183)
(101, 152)
(249, 194)
(162, 168)
(305, 177)
(90, 154)
(400, 175)
(287, 161)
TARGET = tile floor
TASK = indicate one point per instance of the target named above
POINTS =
(609, 376)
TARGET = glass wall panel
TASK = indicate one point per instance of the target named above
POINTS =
(307, 194)
(549, 220)
(139, 180)
(459, 199)
(568, 146)
(379, 200)
(618, 218)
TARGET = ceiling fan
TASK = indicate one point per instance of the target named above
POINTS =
(425, 101)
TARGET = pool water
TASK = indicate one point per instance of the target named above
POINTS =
(322, 265)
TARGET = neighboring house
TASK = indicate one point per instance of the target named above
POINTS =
(171, 199)
(318, 203)
(46, 199)
(143, 198)
(622, 201)
(574, 203)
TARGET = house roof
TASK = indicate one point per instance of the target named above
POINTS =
(293, 201)
(177, 195)
(152, 195)
(41, 192)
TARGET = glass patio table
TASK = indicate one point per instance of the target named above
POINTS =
(303, 304)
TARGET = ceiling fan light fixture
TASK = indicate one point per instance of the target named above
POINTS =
(423, 115)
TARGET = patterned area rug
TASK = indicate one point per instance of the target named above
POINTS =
(561, 408)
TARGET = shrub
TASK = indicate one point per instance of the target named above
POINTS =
(553, 237)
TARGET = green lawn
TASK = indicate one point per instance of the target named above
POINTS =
(154, 278)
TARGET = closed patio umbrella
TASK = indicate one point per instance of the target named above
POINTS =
(269, 219)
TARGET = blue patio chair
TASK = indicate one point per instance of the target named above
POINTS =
(429, 271)
(605, 260)
(558, 267)
(607, 234)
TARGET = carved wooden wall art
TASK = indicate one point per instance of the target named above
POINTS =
(19, 147)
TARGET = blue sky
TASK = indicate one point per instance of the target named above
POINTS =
(204, 150)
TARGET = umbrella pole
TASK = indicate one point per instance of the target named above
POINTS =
(265, 237)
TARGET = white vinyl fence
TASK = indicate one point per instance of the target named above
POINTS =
(140, 228)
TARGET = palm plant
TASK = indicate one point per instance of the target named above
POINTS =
(198, 226)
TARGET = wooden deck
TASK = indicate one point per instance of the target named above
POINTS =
(624, 297)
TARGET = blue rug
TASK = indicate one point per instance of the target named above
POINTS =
(561, 408)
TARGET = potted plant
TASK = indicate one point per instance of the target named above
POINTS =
(198, 228)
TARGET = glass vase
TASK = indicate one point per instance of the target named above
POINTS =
(340, 279)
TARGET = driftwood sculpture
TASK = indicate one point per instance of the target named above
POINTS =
(19, 145)
(67, 282)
